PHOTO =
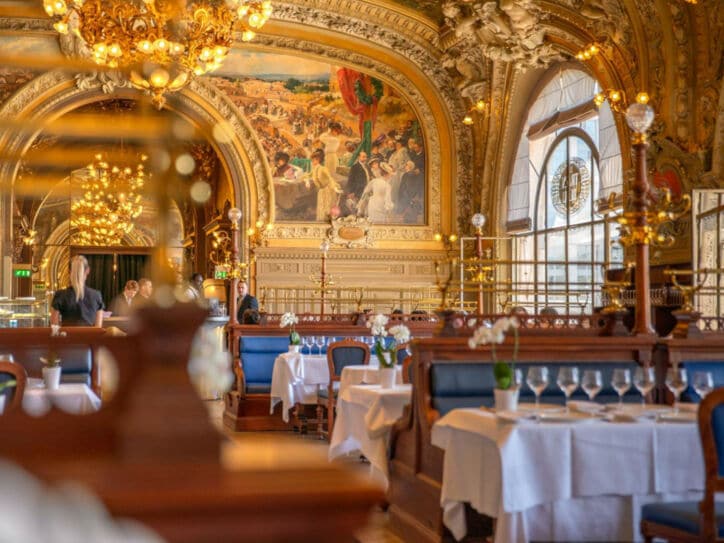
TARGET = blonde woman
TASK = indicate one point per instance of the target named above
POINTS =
(77, 305)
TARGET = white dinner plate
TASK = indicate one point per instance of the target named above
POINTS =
(570, 417)
(586, 407)
(685, 418)
(543, 408)
(514, 417)
(638, 410)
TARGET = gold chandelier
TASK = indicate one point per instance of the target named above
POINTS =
(159, 44)
(110, 202)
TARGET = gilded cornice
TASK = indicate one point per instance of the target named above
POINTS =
(410, 23)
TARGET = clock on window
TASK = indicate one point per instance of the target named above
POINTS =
(570, 187)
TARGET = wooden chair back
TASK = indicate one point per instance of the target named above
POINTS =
(21, 377)
(356, 351)
(711, 429)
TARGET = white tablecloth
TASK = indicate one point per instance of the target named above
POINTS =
(563, 481)
(74, 398)
(364, 375)
(297, 377)
(365, 414)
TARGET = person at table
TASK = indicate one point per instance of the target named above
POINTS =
(246, 301)
(121, 304)
(195, 289)
(145, 290)
(77, 305)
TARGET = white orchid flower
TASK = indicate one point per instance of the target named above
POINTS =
(401, 333)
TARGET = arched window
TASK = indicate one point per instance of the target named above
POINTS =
(568, 162)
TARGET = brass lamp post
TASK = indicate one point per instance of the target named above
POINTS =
(478, 221)
(639, 117)
(235, 272)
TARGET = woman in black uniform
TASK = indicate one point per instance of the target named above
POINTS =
(77, 305)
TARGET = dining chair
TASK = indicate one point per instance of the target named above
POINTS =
(340, 354)
(13, 395)
(692, 521)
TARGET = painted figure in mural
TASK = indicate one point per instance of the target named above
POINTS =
(283, 169)
(331, 141)
(328, 188)
(398, 159)
(359, 176)
(417, 154)
(410, 202)
(377, 199)
(361, 94)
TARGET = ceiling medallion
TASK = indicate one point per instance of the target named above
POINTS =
(159, 44)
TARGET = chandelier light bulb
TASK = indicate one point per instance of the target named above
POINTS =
(639, 117)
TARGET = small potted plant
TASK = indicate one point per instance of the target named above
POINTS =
(4, 385)
(51, 371)
(289, 319)
(387, 355)
(506, 389)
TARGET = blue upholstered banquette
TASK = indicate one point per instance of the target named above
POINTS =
(469, 384)
(257, 355)
(76, 360)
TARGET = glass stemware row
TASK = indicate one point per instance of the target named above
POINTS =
(644, 379)
(309, 342)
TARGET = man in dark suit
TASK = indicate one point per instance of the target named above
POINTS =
(359, 176)
(246, 302)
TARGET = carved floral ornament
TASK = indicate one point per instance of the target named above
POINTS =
(505, 30)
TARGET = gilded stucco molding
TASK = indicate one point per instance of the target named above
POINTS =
(24, 25)
(406, 22)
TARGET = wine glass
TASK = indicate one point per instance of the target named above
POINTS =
(568, 382)
(676, 382)
(644, 380)
(320, 341)
(703, 383)
(621, 383)
(308, 342)
(592, 383)
(537, 380)
(517, 378)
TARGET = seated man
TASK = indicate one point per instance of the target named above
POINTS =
(121, 304)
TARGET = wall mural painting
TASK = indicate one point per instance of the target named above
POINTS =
(338, 141)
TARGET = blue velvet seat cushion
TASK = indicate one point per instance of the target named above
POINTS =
(458, 385)
(682, 516)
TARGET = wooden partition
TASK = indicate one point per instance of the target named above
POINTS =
(151, 454)
(416, 465)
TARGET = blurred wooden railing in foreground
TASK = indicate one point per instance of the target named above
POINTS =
(151, 454)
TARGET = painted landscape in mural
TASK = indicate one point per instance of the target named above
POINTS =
(338, 141)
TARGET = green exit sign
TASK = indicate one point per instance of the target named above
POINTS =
(22, 273)
(221, 275)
